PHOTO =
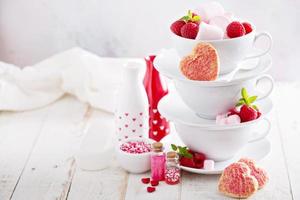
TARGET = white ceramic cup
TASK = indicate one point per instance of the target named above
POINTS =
(221, 143)
(231, 51)
(210, 99)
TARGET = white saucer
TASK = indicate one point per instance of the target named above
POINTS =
(173, 108)
(256, 151)
(167, 63)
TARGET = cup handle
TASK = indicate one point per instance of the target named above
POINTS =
(262, 135)
(269, 79)
(258, 35)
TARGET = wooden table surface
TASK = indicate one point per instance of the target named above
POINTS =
(37, 157)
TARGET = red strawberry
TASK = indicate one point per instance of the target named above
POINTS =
(247, 113)
(199, 157)
(199, 165)
(188, 162)
(258, 114)
(145, 180)
(150, 189)
(235, 29)
(176, 27)
(248, 27)
(233, 111)
(154, 183)
(190, 30)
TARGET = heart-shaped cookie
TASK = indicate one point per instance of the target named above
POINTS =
(259, 173)
(236, 181)
(202, 64)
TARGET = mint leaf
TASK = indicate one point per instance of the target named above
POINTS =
(196, 18)
(255, 107)
(244, 94)
(188, 155)
(252, 99)
(239, 104)
(174, 147)
(185, 18)
(190, 14)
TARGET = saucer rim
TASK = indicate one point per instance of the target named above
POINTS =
(216, 126)
(211, 172)
(266, 58)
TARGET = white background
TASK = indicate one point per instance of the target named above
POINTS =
(31, 30)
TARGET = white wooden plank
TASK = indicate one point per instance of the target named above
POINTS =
(287, 104)
(137, 190)
(109, 183)
(205, 186)
(18, 133)
(50, 169)
(106, 184)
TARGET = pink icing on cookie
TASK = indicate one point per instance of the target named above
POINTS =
(259, 173)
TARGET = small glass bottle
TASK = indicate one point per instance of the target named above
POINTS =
(158, 162)
(172, 172)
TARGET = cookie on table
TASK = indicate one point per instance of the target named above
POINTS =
(259, 173)
(236, 181)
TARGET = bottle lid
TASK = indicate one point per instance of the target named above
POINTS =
(171, 154)
(157, 146)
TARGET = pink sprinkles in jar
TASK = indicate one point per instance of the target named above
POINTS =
(172, 175)
(135, 147)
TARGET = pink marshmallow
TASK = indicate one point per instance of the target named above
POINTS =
(208, 10)
(233, 119)
(209, 32)
(229, 16)
(220, 21)
(209, 164)
(230, 120)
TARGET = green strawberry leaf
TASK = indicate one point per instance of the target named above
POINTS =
(252, 99)
(174, 147)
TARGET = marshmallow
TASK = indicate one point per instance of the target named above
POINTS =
(229, 16)
(233, 119)
(209, 32)
(220, 119)
(209, 164)
(230, 120)
(209, 10)
(220, 21)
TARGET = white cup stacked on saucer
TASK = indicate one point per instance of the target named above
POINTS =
(193, 105)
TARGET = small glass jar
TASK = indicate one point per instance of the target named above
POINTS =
(172, 172)
(158, 162)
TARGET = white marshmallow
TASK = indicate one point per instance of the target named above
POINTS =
(220, 21)
(209, 32)
(208, 10)
(209, 164)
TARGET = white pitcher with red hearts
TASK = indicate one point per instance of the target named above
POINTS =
(131, 114)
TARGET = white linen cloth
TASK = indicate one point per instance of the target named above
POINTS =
(90, 78)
